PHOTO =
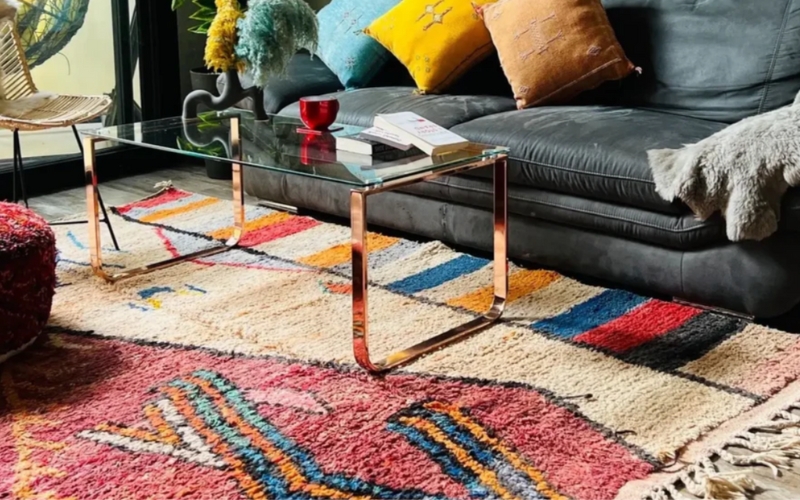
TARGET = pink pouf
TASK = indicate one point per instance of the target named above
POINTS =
(27, 277)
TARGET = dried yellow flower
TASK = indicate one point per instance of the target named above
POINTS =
(219, 55)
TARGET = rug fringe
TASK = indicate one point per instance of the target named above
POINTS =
(775, 450)
(163, 186)
(160, 187)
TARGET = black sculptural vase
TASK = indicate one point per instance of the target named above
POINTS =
(232, 92)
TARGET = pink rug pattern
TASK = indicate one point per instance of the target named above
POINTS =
(91, 417)
(232, 376)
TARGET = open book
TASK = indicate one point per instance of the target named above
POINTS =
(401, 131)
(424, 134)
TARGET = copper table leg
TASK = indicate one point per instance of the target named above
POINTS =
(358, 215)
(95, 245)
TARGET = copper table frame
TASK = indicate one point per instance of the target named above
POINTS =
(358, 226)
(358, 219)
(92, 208)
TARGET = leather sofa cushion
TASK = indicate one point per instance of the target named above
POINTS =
(754, 277)
(359, 107)
(589, 151)
(720, 60)
(790, 211)
(304, 76)
(679, 231)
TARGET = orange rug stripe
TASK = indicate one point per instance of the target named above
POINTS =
(189, 207)
(340, 254)
(486, 476)
(251, 225)
(291, 473)
(157, 422)
(480, 433)
(251, 487)
(520, 284)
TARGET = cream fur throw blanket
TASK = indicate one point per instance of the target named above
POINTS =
(742, 171)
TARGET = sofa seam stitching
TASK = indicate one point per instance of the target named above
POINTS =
(585, 211)
(596, 174)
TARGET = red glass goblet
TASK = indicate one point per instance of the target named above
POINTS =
(318, 112)
(317, 149)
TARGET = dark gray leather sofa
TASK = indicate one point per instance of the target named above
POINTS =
(581, 193)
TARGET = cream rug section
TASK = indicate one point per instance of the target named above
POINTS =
(657, 375)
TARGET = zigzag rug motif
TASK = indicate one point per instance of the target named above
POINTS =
(232, 376)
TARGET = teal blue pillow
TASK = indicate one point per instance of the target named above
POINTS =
(352, 56)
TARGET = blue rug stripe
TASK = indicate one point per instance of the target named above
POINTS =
(303, 460)
(256, 464)
(510, 477)
(595, 312)
(449, 464)
(438, 275)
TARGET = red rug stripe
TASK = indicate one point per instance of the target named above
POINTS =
(167, 243)
(166, 197)
(282, 229)
(639, 326)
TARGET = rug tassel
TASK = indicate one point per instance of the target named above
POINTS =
(776, 451)
(163, 186)
(775, 459)
(728, 487)
(705, 482)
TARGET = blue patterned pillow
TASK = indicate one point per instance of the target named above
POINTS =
(352, 56)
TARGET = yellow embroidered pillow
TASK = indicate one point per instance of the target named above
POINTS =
(552, 50)
(437, 40)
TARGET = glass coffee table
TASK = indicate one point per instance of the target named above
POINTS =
(277, 144)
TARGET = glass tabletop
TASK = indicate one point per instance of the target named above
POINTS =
(276, 144)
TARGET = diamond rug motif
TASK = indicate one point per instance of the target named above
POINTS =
(232, 376)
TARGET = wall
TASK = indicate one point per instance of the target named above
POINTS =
(86, 64)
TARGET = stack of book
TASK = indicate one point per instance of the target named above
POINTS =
(395, 137)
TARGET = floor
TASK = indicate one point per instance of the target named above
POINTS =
(193, 178)
(121, 191)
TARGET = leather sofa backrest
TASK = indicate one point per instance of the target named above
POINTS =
(720, 60)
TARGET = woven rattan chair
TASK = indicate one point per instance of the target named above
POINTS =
(24, 108)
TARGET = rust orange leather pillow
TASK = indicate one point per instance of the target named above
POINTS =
(552, 50)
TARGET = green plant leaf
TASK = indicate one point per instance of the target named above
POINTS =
(206, 11)
(203, 15)
(208, 120)
(213, 150)
(176, 4)
(200, 29)
(205, 4)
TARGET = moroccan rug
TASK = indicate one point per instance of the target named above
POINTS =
(232, 376)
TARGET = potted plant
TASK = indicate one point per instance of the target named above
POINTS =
(258, 41)
(201, 77)
(205, 10)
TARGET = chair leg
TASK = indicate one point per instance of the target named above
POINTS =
(19, 168)
(14, 197)
(77, 138)
(99, 198)
(107, 221)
